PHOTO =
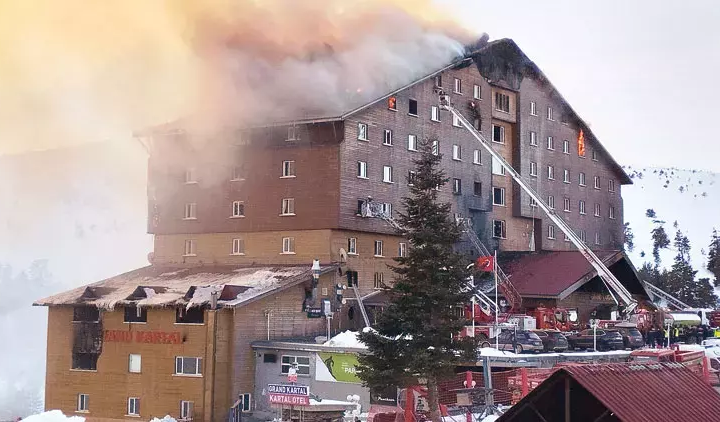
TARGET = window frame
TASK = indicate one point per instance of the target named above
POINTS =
(287, 207)
(533, 108)
(412, 142)
(550, 143)
(388, 174)
(198, 366)
(611, 185)
(288, 169)
(566, 176)
(363, 135)
(597, 238)
(190, 211)
(392, 103)
(502, 100)
(457, 186)
(352, 246)
(456, 121)
(457, 152)
(191, 176)
(238, 246)
(550, 172)
(501, 132)
(581, 178)
(412, 174)
(477, 192)
(378, 281)
(596, 182)
(436, 147)
(378, 247)
(503, 229)
(503, 199)
(187, 410)
(387, 137)
(581, 207)
(293, 133)
(236, 174)
(598, 210)
(566, 146)
(477, 157)
(550, 114)
(288, 245)
(83, 403)
(566, 205)
(533, 169)
(533, 202)
(238, 209)
(533, 138)
(551, 232)
(138, 363)
(402, 250)
(294, 362)
(435, 114)
(133, 406)
(498, 166)
(412, 102)
(457, 86)
(611, 212)
(594, 155)
(477, 92)
(362, 170)
(190, 247)
(551, 202)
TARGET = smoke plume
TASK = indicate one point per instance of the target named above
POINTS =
(77, 71)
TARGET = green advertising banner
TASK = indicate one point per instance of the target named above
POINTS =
(342, 366)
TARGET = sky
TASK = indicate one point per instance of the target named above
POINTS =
(641, 72)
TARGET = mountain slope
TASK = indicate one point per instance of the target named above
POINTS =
(690, 197)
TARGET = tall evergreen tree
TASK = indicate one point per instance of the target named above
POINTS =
(660, 239)
(629, 238)
(713, 262)
(416, 336)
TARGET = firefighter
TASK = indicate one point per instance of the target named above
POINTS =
(676, 334)
(650, 337)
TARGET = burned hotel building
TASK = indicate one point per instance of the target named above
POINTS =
(239, 222)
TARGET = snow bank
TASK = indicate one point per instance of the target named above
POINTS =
(489, 351)
(53, 416)
(346, 339)
(167, 418)
(490, 418)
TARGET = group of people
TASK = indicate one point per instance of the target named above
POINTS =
(658, 337)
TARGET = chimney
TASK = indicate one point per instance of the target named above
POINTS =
(213, 299)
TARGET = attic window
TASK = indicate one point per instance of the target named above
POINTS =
(135, 314)
(86, 314)
(194, 315)
(412, 108)
(438, 81)
(392, 103)
(293, 133)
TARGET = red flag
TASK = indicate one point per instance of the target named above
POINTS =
(486, 263)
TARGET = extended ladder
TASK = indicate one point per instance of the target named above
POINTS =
(508, 290)
(657, 292)
(361, 305)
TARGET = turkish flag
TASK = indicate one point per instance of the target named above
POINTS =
(486, 263)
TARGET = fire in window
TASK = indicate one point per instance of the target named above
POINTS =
(581, 144)
(392, 103)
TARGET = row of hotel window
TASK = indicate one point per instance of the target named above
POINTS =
(187, 411)
(499, 232)
(288, 247)
(499, 198)
(194, 315)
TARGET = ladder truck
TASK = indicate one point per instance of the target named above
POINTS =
(621, 294)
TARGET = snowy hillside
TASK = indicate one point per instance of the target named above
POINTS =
(67, 217)
(690, 197)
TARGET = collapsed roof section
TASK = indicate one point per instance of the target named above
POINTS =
(160, 286)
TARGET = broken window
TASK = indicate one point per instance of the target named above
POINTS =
(392, 103)
(413, 107)
(85, 361)
(86, 314)
(498, 134)
(135, 314)
(438, 81)
(194, 315)
(499, 229)
(502, 102)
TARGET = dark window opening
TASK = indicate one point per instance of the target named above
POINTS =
(86, 361)
(360, 206)
(438, 81)
(134, 314)
(269, 358)
(190, 316)
(477, 123)
(86, 314)
(351, 313)
(477, 189)
(413, 107)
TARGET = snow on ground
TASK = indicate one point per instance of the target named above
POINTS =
(167, 418)
(489, 351)
(53, 416)
(346, 339)
(690, 197)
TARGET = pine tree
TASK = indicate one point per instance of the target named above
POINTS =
(629, 238)
(713, 262)
(660, 239)
(416, 336)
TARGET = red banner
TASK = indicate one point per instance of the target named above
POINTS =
(486, 263)
(289, 399)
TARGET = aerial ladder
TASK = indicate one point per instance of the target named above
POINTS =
(657, 294)
(610, 281)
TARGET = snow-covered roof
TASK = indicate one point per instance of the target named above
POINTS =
(158, 286)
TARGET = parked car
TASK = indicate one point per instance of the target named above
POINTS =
(606, 340)
(632, 338)
(525, 341)
(553, 340)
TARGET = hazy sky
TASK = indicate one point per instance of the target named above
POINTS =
(643, 74)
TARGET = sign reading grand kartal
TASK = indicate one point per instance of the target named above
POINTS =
(293, 395)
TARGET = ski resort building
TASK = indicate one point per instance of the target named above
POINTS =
(239, 220)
